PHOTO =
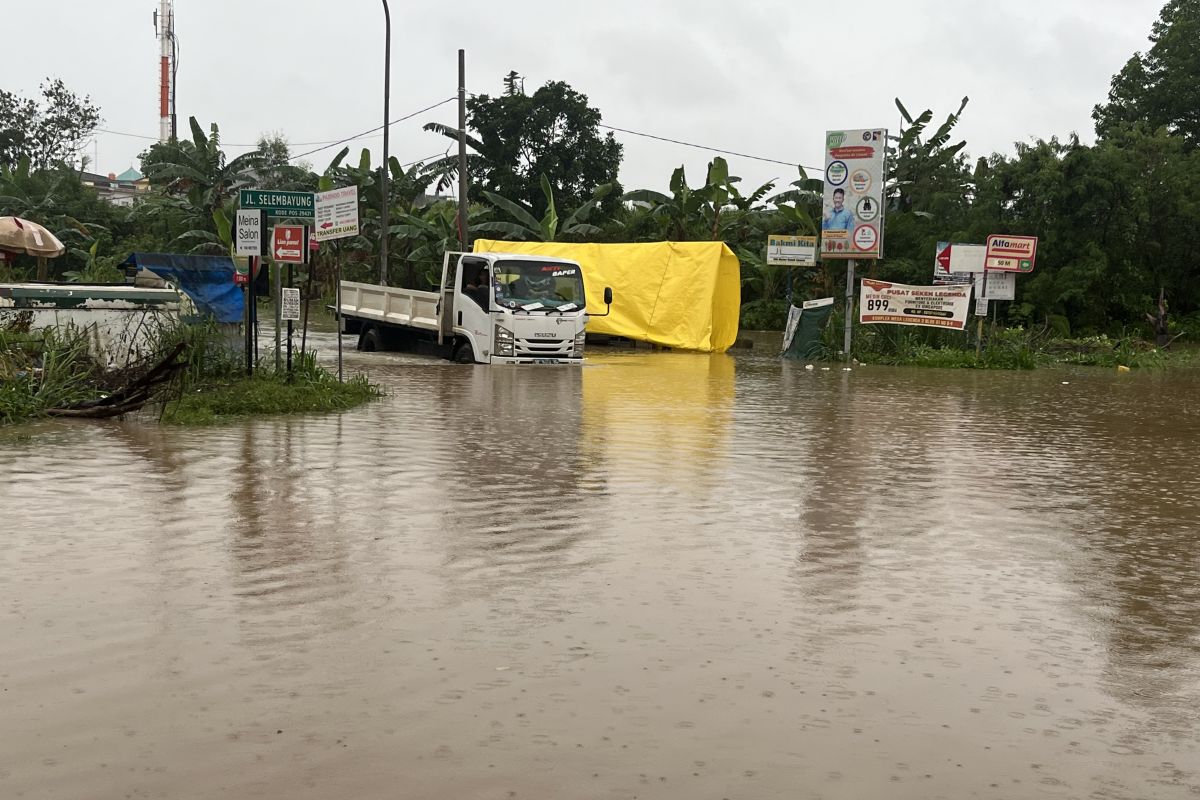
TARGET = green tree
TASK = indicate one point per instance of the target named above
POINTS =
(517, 138)
(1162, 86)
(48, 133)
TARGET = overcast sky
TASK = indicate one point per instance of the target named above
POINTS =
(766, 77)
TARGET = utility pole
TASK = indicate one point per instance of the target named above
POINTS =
(383, 169)
(464, 210)
(849, 307)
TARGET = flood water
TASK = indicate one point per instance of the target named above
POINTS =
(657, 576)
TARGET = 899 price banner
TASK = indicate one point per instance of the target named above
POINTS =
(928, 306)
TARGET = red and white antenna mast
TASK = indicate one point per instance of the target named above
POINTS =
(168, 50)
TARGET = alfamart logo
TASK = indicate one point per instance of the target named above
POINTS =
(835, 139)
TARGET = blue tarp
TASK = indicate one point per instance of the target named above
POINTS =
(207, 280)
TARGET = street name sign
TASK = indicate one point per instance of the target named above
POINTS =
(1011, 253)
(336, 214)
(294, 205)
(290, 244)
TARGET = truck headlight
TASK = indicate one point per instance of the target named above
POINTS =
(579, 340)
(505, 343)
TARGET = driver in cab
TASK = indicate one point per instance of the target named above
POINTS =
(477, 288)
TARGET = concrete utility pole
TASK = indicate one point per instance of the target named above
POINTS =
(383, 169)
(464, 210)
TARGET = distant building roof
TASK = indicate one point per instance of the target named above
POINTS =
(130, 175)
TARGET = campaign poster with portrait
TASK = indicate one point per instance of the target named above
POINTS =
(852, 212)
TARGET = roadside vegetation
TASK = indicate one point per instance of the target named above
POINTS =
(1010, 348)
(200, 379)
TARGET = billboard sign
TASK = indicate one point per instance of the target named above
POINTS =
(852, 209)
(886, 303)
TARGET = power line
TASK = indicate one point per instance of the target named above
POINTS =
(326, 142)
(702, 147)
(372, 130)
(711, 149)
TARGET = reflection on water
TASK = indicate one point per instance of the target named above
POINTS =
(660, 575)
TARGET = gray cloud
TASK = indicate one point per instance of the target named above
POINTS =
(766, 77)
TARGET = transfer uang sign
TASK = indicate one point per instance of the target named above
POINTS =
(336, 214)
(886, 303)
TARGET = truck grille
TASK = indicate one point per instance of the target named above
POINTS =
(544, 348)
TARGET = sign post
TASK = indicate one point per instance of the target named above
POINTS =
(853, 204)
(289, 246)
(337, 218)
(251, 243)
(336, 214)
(791, 251)
(1011, 253)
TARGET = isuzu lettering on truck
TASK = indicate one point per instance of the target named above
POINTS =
(493, 308)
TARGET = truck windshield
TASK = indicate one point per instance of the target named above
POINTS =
(522, 283)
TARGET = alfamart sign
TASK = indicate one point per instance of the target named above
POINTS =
(926, 306)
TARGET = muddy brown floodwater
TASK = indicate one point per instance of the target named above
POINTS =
(658, 576)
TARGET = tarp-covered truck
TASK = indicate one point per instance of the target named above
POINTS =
(684, 295)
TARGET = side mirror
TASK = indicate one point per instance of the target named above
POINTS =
(608, 295)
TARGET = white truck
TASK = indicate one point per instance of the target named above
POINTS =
(493, 308)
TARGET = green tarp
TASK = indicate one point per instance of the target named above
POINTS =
(802, 336)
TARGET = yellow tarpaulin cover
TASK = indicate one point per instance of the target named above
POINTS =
(685, 295)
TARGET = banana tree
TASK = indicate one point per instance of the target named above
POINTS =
(197, 173)
(424, 237)
(549, 228)
(690, 213)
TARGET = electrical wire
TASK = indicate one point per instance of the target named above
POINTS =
(326, 142)
(372, 130)
(701, 147)
(710, 149)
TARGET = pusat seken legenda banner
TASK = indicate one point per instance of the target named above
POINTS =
(886, 303)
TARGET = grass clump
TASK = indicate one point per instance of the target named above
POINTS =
(45, 371)
(311, 388)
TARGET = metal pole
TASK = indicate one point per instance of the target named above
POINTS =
(383, 170)
(278, 312)
(248, 295)
(849, 306)
(464, 210)
(289, 322)
(979, 326)
(338, 302)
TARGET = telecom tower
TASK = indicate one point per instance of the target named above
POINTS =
(168, 48)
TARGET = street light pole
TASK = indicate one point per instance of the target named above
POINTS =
(383, 170)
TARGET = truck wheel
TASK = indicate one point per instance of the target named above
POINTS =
(463, 354)
(370, 341)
